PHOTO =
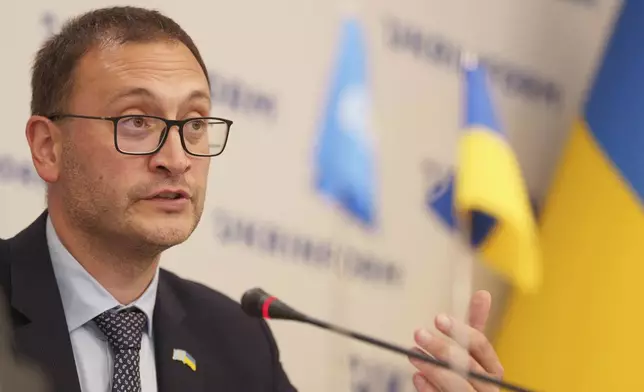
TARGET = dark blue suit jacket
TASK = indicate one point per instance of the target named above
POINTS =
(234, 352)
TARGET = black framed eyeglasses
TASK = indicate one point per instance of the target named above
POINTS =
(145, 135)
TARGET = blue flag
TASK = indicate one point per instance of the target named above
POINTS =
(345, 170)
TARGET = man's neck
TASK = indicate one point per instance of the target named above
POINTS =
(124, 274)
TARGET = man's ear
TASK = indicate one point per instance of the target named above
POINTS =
(45, 142)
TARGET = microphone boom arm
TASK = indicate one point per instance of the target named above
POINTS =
(414, 354)
(257, 303)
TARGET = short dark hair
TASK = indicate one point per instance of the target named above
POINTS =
(53, 69)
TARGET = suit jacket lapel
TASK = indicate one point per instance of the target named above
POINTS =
(40, 327)
(170, 333)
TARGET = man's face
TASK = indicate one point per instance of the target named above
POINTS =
(114, 195)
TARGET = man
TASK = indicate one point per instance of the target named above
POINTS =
(122, 134)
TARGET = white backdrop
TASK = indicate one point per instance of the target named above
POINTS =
(270, 64)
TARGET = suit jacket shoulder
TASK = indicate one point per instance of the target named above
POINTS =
(40, 333)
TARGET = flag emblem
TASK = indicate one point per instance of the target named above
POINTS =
(185, 358)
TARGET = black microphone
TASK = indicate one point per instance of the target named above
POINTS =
(257, 303)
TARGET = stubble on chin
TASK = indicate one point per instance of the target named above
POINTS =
(161, 232)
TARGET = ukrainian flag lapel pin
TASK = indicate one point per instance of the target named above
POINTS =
(185, 358)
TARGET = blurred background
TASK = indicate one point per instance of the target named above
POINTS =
(265, 224)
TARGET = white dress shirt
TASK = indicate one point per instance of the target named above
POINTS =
(83, 299)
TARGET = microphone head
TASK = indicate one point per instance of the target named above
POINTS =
(253, 300)
(258, 303)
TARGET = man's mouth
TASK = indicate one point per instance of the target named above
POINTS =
(169, 196)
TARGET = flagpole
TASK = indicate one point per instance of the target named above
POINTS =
(464, 259)
(339, 289)
(339, 295)
(462, 291)
(346, 168)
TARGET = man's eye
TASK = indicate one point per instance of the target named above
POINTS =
(136, 122)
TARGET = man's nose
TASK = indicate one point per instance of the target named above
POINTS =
(171, 158)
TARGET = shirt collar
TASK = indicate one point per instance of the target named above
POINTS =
(83, 296)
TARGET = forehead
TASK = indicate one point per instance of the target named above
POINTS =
(166, 68)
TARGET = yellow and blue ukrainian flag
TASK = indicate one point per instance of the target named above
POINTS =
(185, 358)
(345, 168)
(584, 330)
(485, 195)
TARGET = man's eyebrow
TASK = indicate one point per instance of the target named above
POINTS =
(199, 94)
(132, 92)
(147, 94)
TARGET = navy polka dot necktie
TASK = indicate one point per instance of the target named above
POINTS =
(124, 331)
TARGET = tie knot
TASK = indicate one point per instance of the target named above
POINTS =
(123, 329)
